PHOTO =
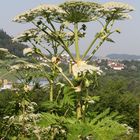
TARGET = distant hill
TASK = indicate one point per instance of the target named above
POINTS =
(14, 48)
(123, 56)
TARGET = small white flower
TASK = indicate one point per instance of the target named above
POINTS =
(15, 67)
(27, 50)
(44, 64)
(69, 34)
(6, 117)
(4, 50)
(63, 131)
(30, 66)
(91, 101)
(125, 125)
(24, 66)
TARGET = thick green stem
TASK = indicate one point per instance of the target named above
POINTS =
(23, 121)
(76, 42)
(85, 106)
(51, 82)
(95, 39)
(79, 110)
(70, 67)
(79, 105)
(94, 51)
(51, 91)
(67, 79)
(104, 29)
(98, 46)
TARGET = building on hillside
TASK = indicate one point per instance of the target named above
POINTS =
(115, 65)
(5, 84)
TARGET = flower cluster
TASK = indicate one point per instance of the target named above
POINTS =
(26, 35)
(23, 66)
(48, 11)
(118, 6)
(117, 10)
(82, 68)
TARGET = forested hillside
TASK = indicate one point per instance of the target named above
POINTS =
(124, 56)
(14, 48)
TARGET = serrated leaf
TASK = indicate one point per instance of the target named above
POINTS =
(69, 97)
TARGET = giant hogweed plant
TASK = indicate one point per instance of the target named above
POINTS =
(56, 30)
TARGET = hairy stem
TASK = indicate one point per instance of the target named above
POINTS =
(76, 42)
(79, 108)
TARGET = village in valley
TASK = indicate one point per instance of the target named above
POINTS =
(105, 64)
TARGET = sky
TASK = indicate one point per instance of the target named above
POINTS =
(128, 42)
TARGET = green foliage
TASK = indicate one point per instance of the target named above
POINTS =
(69, 97)
(104, 126)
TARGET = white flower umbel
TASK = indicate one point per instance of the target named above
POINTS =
(26, 35)
(117, 10)
(118, 6)
(82, 68)
(24, 17)
(47, 11)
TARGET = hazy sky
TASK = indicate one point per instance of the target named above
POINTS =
(126, 42)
